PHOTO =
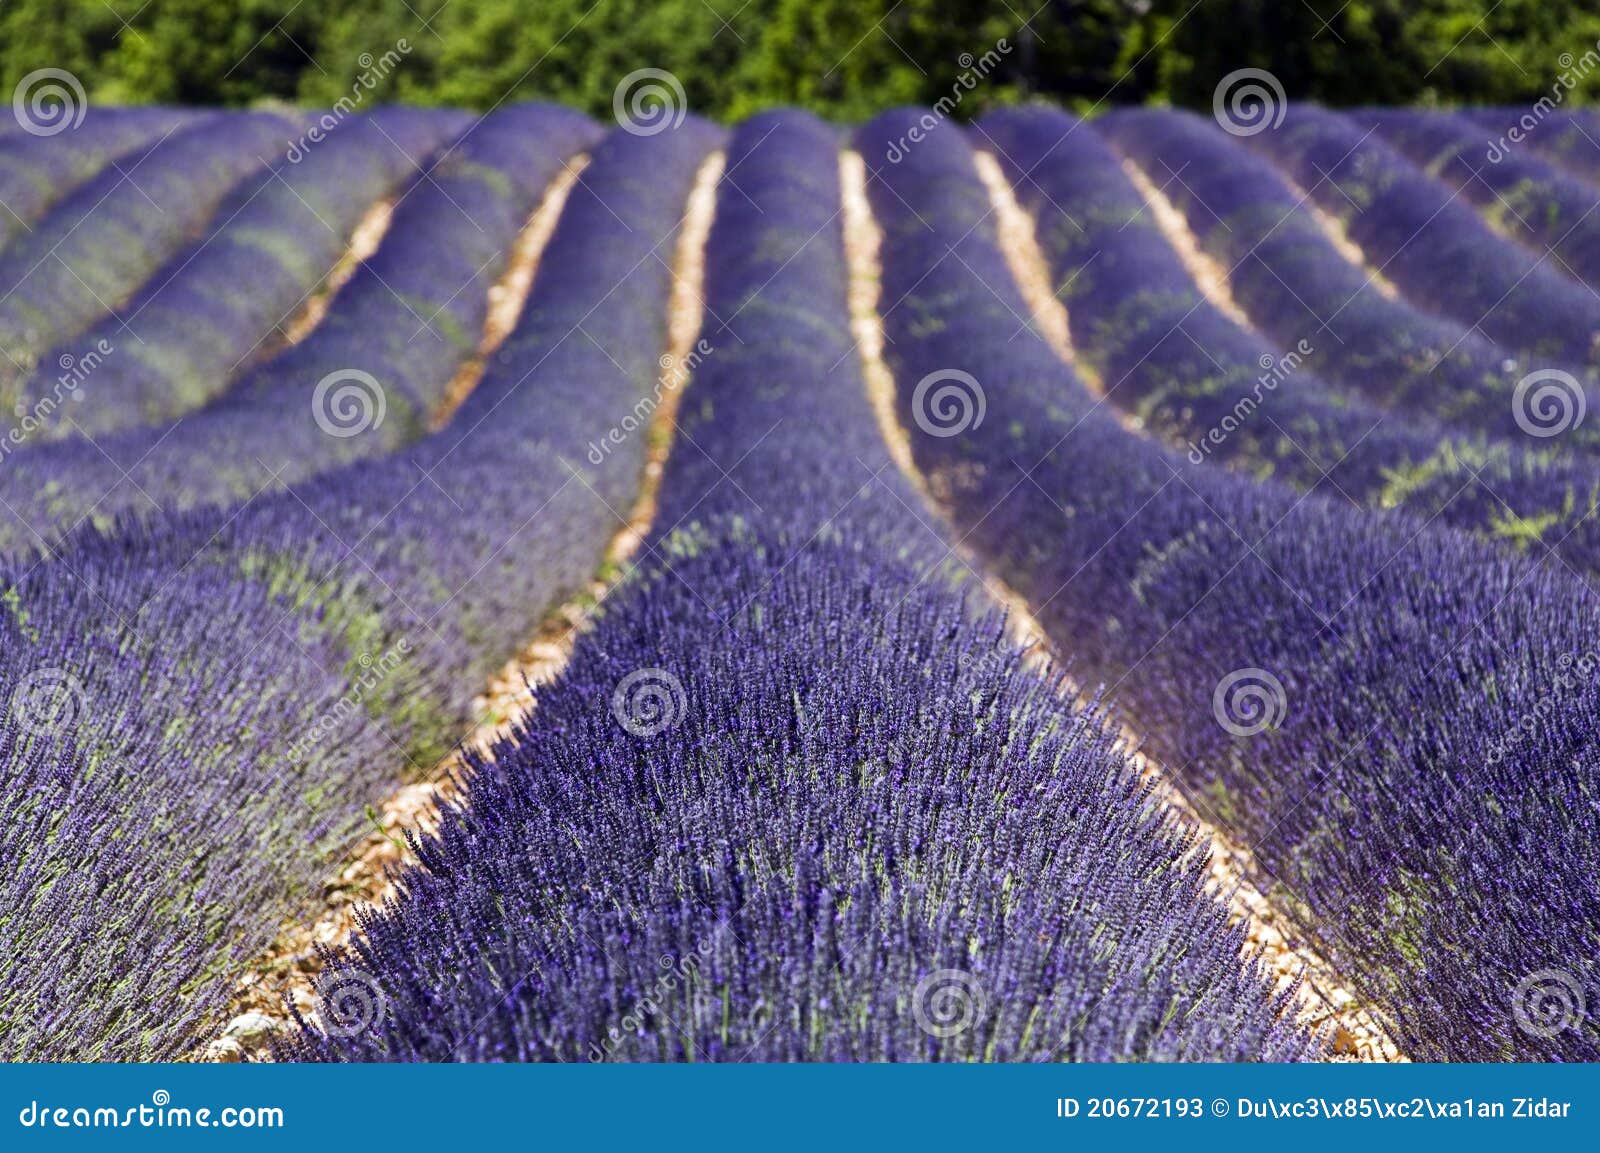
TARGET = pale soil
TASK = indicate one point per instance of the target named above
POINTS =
(1019, 241)
(1207, 272)
(291, 966)
(1333, 228)
(510, 292)
(1324, 1001)
(863, 240)
(1015, 233)
(364, 241)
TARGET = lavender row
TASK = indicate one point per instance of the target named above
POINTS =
(363, 383)
(1219, 392)
(1523, 196)
(200, 710)
(1396, 719)
(215, 306)
(790, 801)
(37, 171)
(1569, 138)
(1435, 249)
(106, 239)
(1295, 285)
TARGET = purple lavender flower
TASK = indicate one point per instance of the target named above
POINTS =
(1421, 790)
(393, 336)
(191, 733)
(864, 831)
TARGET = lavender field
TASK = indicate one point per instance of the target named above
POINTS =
(516, 586)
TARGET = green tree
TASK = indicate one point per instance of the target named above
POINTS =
(844, 58)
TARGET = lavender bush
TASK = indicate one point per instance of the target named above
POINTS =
(199, 319)
(1398, 720)
(1435, 249)
(1219, 392)
(1296, 286)
(193, 727)
(37, 171)
(1523, 196)
(104, 240)
(388, 346)
(854, 827)
(1567, 137)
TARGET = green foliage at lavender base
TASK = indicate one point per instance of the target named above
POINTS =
(845, 59)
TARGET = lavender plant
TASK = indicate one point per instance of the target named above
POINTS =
(218, 304)
(37, 171)
(1435, 249)
(1524, 197)
(362, 384)
(855, 827)
(1219, 392)
(1566, 137)
(194, 725)
(858, 843)
(104, 240)
(1285, 272)
(1396, 719)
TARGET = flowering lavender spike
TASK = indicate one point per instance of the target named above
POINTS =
(197, 710)
(1399, 719)
(795, 796)
(363, 383)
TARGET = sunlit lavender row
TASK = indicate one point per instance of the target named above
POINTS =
(1020, 588)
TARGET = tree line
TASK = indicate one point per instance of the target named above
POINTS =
(844, 58)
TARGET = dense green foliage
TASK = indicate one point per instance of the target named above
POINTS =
(845, 58)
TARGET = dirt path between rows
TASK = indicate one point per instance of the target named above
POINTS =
(364, 241)
(1209, 273)
(1325, 1001)
(510, 292)
(1334, 230)
(290, 968)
